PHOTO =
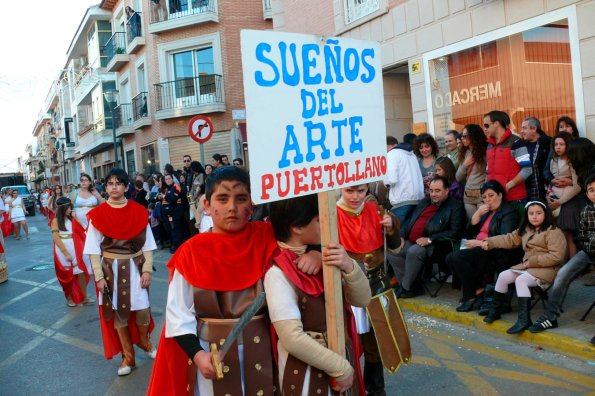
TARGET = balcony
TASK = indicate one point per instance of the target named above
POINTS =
(123, 119)
(134, 33)
(180, 13)
(95, 139)
(140, 114)
(85, 81)
(189, 96)
(357, 9)
(267, 10)
(115, 51)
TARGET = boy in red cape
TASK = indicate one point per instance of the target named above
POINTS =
(120, 244)
(297, 306)
(214, 277)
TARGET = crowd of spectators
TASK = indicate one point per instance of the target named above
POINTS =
(493, 204)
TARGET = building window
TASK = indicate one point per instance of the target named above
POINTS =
(150, 159)
(525, 74)
(357, 9)
(187, 66)
(130, 162)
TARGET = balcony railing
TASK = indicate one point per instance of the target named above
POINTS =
(123, 115)
(115, 45)
(134, 27)
(191, 91)
(179, 9)
(356, 9)
(139, 106)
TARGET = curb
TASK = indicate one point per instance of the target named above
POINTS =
(569, 346)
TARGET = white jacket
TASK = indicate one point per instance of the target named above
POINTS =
(403, 177)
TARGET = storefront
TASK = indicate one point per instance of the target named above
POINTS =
(531, 68)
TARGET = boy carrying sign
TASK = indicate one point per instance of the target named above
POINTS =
(214, 277)
(297, 305)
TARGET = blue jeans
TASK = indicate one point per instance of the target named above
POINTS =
(569, 272)
(403, 213)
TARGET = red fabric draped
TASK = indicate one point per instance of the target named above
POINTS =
(119, 223)
(111, 341)
(363, 233)
(7, 226)
(65, 272)
(312, 285)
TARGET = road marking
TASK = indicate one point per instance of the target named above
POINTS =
(66, 318)
(45, 285)
(465, 372)
(425, 361)
(534, 365)
(77, 342)
(19, 297)
(525, 377)
(22, 323)
(28, 347)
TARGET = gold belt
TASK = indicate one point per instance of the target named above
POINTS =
(16, 206)
(121, 256)
(84, 206)
(65, 236)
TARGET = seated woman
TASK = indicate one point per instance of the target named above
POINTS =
(471, 263)
(297, 309)
(545, 251)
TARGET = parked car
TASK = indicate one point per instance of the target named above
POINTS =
(28, 198)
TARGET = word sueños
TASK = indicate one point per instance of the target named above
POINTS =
(312, 65)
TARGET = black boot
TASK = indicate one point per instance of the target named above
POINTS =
(524, 320)
(494, 313)
(374, 379)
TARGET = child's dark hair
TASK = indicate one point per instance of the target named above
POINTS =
(119, 174)
(590, 179)
(548, 220)
(62, 204)
(448, 167)
(295, 212)
(225, 173)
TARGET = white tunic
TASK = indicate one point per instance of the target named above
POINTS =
(69, 244)
(139, 298)
(82, 206)
(18, 211)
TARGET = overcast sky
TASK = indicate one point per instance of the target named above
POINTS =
(35, 36)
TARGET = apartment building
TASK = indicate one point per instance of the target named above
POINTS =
(448, 62)
(173, 61)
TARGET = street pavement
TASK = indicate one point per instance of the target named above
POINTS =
(49, 348)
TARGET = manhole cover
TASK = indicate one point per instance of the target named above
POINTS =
(41, 267)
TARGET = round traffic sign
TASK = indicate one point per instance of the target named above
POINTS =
(200, 129)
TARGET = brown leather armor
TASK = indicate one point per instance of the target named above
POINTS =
(313, 317)
(121, 247)
(217, 313)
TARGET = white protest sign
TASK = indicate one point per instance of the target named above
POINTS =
(314, 112)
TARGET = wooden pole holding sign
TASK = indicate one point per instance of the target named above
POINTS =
(333, 295)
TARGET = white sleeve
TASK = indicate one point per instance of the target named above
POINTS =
(282, 300)
(149, 240)
(391, 168)
(180, 316)
(93, 240)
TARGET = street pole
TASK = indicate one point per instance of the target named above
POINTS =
(114, 135)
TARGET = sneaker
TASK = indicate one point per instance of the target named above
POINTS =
(152, 354)
(124, 370)
(543, 324)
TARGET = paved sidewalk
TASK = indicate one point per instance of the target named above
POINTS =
(572, 337)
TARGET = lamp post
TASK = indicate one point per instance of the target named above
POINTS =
(112, 97)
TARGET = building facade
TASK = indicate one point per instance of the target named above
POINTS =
(448, 62)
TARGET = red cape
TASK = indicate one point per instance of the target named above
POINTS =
(68, 281)
(7, 226)
(363, 233)
(213, 261)
(119, 223)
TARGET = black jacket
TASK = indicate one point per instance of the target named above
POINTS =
(447, 223)
(542, 163)
(506, 219)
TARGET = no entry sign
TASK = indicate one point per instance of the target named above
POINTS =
(200, 129)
